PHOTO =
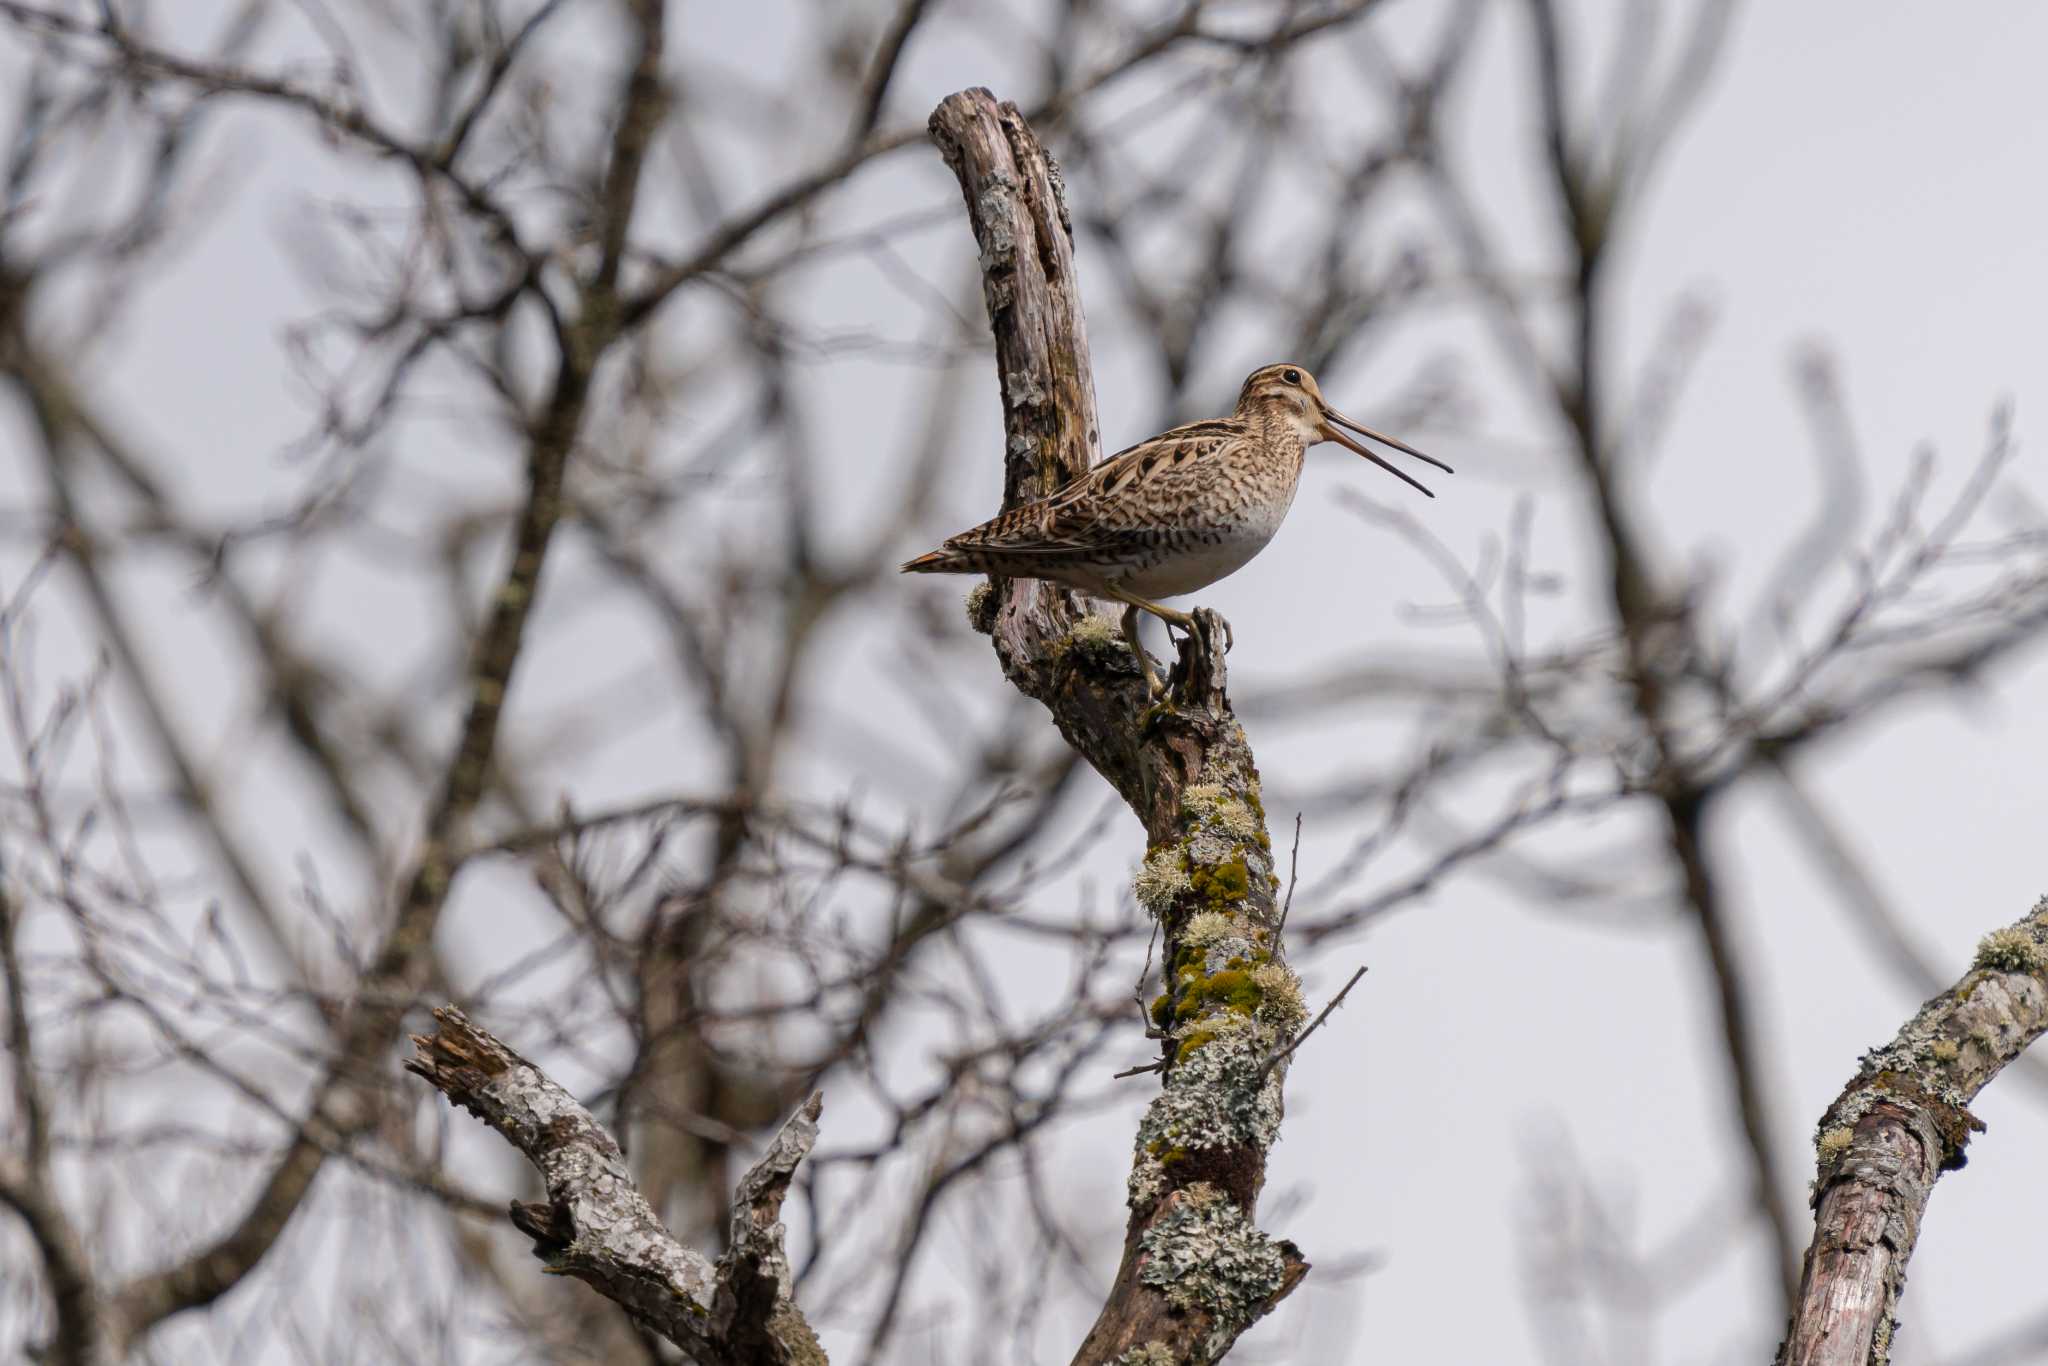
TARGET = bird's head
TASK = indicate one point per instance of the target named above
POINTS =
(1290, 392)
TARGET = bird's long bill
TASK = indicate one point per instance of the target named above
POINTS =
(1337, 422)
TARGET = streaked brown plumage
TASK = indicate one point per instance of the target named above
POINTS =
(1170, 515)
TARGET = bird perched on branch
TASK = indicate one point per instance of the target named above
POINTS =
(1173, 514)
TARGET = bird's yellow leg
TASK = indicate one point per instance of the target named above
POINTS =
(1133, 604)
(1164, 613)
(1153, 687)
(1184, 620)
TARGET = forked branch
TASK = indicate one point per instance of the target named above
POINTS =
(597, 1227)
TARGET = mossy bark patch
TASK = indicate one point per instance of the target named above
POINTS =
(1223, 884)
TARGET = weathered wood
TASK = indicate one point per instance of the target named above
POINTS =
(597, 1227)
(1893, 1131)
(1196, 1271)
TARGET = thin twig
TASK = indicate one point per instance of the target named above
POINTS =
(1293, 875)
(1314, 1024)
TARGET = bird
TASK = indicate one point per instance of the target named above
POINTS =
(1174, 514)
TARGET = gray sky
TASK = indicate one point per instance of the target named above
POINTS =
(1865, 177)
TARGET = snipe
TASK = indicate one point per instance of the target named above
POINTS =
(1173, 514)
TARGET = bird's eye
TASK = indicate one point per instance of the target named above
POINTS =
(1291, 376)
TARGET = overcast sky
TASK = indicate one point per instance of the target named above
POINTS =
(1865, 177)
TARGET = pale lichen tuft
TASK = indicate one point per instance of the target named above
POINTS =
(1094, 639)
(2012, 949)
(1212, 805)
(1096, 629)
(1215, 1026)
(1153, 1353)
(1162, 878)
(1207, 927)
(981, 607)
(1280, 994)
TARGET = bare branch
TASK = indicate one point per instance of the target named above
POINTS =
(1896, 1127)
(84, 1335)
(596, 1226)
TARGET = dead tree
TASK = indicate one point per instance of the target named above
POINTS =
(1196, 1269)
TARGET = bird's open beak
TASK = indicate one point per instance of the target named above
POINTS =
(1334, 423)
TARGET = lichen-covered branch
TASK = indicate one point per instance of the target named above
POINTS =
(1901, 1123)
(1196, 1270)
(598, 1228)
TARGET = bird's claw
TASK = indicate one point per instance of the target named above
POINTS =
(1196, 628)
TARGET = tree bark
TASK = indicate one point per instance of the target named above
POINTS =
(598, 1228)
(1893, 1131)
(1196, 1271)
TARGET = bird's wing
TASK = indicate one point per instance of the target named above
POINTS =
(1168, 451)
(1092, 511)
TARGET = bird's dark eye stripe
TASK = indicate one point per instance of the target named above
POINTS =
(1291, 376)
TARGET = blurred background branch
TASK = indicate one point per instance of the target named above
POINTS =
(454, 461)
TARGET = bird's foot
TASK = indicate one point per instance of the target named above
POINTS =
(1198, 641)
(1199, 666)
(1193, 623)
(1203, 623)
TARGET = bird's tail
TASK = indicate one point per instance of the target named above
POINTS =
(937, 562)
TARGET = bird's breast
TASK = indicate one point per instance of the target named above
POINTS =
(1218, 537)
